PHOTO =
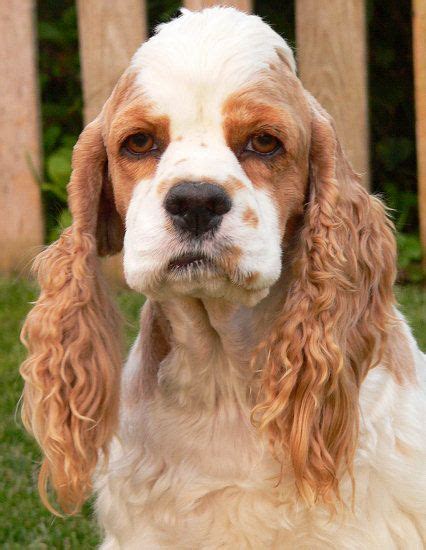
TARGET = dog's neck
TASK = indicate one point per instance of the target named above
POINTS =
(211, 342)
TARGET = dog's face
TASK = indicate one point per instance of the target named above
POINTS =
(208, 158)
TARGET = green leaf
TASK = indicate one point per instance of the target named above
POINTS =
(59, 166)
(50, 138)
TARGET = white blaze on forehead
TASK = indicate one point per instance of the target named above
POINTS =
(197, 60)
(187, 160)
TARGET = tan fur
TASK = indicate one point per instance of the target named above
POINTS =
(72, 374)
(232, 186)
(250, 217)
(229, 261)
(286, 115)
(126, 171)
(334, 323)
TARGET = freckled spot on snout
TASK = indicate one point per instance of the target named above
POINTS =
(232, 185)
(250, 217)
(202, 144)
(179, 138)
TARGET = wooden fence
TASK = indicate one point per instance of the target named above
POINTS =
(331, 44)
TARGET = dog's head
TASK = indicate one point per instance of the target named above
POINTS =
(207, 140)
(211, 163)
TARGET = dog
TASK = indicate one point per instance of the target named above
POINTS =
(275, 397)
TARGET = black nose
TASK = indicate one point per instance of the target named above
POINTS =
(197, 207)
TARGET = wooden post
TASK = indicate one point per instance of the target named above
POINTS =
(110, 32)
(243, 5)
(419, 51)
(331, 54)
(21, 227)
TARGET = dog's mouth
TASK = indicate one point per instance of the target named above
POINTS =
(187, 263)
(199, 274)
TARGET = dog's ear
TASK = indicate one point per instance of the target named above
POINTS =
(90, 191)
(334, 322)
(70, 400)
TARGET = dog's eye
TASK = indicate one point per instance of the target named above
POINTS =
(139, 144)
(263, 144)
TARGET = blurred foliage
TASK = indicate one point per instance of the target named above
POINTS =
(161, 11)
(393, 157)
(62, 102)
(281, 17)
(392, 121)
(392, 116)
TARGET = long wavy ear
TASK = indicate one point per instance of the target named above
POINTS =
(70, 399)
(334, 322)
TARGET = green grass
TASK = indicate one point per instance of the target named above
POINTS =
(24, 523)
(412, 303)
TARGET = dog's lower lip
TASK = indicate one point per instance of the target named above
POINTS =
(187, 260)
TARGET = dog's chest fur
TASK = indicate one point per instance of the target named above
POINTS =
(190, 471)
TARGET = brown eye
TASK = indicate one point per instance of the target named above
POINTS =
(263, 144)
(138, 144)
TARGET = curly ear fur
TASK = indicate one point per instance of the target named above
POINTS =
(70, 400)
(334, 322)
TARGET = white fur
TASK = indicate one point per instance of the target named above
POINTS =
(149, 244)
(202, 58)
(183, 480)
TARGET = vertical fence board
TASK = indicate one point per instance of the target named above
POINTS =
(331, 53)
(419, 51)
(109, 32)
(21, 227)
(243, 5)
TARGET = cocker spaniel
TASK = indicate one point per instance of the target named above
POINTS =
(275, 397)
